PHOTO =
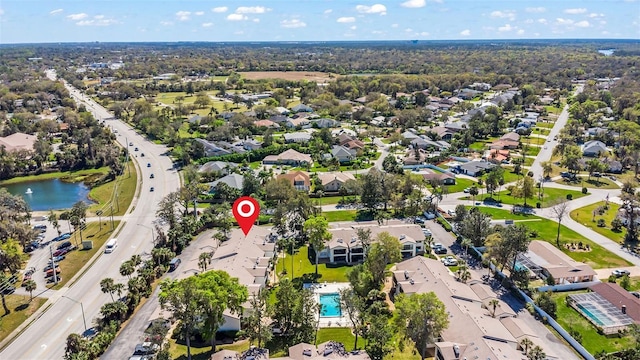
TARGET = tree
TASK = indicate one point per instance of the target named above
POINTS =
(354, 307)
(571, 157)
(364, 237)
(493, 303)
(463, 274)
(76, 344)
(476, 226)
(216, 292)
(625, 282)
(473, 191)
(4, 280)
(203, 260)
(79, 216)
(387, 249)
(295, 311)
(316, 229)
(371, 189)
(107, 286)
(53, 220)
(526, 344)
(180, 297)
(524, 189)
(420, 318)
(495, 177)
(461, 213)
(255, 326)
(379, 334)
(536, 353)
(547, 168)
(127, 268)
(30, 286)
(559, 211)
(595, 165)
(547, 304)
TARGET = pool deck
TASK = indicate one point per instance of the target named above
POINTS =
(330, 288)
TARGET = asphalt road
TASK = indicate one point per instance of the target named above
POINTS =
(45, 338)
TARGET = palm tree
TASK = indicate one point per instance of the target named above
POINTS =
(526, 344)
(118, 289)
(463, 274)
(547, 168)
(466, 242)
(136, 260)
(107, 285)
(30, 285)
(473, 191)
(494, 304)
(203, 260)
(127, 268)
(536, 353)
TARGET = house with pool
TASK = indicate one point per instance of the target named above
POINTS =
(345, 247)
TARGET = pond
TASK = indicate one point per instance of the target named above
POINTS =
(52, 194)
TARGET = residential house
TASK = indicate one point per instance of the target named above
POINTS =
(325, 123)
(195, 119)
(234, 181)
(266, 123)
(411, 158)
(288, 157)
(282, 110)
(474, 167)
(443, 132)
(499, 156)
(511, 136)
(620, 298)
(557, 264)
(221, 167)
(343, 154)
(475, 331)
(211, 149)
(594, 148)
(444, 178)
(333, 181)
(301, 122)
(622, 215)
(301, 108)
(297, 137)
(614, 166)
(354, 145)
(300, 180)
(501, 144)
(409, 135)
(251, 144)
(344, 247)
(18, 141)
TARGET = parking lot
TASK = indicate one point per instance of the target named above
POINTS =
(40, 257)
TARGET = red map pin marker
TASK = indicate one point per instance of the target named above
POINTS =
(246, 210)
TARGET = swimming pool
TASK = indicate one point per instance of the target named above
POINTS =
(330, 305)
(596, 315)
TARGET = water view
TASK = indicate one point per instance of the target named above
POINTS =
(50, 194)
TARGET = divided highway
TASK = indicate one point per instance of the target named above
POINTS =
(45, 338)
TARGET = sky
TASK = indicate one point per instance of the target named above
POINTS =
(38, 21)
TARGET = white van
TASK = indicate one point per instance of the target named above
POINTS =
(111, 245)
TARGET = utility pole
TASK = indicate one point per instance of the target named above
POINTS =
(111, 217)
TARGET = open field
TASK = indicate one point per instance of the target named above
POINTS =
(126, 188)
(551, 196)
(586, 217)
(597, 258)
(21, 308)
(289, 75)
(594, 182)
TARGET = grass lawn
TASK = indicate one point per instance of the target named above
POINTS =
(302, 265)
(551, 195)
(594, 342)
(342, 335)
(329, 200)
(76, 259)
(509, 176)
(546, 125)
(461, 184)
(595, 183)
(340, 215)
(584, 216)
(21, 308)
(126, 188)
(71, 176)
(179, 351)
(532, 150)
(597, 258)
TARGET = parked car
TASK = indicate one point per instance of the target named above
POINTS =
(450, 261)
(62, 251)
(58, 258)
(136, 149)
(426, 232)
(419, 220)
(90, 333)
(429, 216)
(50, 272)
(130, 144)
(141, 154)
(64, 236)
(440, 250)
(151, 176)
(467, 190)
(8, 289)
(620, 272)
(65, 245)
(52, 279)
(151, 189)
(146, 348)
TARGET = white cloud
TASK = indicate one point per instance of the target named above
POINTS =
(575, 11)
(239, 32)
(394, 25)
(353, 27)
(236, 17)
(377, 32)
(596, 15)
(328, 11)
(98, 20)
(198, 13)
(465, 32)
(506, 28)
(206, 25)
(166, 23)
(77, 17)
(561, 21)
(539, 9)
(508, 14)
(256, 20)
(183, 15)
(424, 33)
(220, 9)
(292, 24)
(346, 19)
(252, 10)
(1, 11)
(528, 21)
(520, 32)
(583, 24)
(55, 12)
(542, 21)
(414, 4)
(373, 9)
